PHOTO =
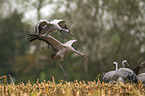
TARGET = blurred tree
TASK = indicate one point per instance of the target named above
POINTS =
(127, 30)
(38, 5)
(12, 41)
(106, 31)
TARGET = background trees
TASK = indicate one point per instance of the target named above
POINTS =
(106, 31)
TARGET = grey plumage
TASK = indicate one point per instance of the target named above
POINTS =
(126, 73)
(111, 76)
(61, 50)
(141, 77)
(123, 66)
(44, 26)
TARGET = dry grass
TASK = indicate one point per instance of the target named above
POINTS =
(76, 88)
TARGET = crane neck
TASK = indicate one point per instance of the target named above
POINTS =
(69, 43)
(115, 63)
(123, 65)
(116, 66)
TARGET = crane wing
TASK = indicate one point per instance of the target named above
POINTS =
(139, 68)
(48, 39)
(44, 26)
(136, 70)
(52, 41)
(143, 65)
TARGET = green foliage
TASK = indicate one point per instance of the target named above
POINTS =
(13, 42)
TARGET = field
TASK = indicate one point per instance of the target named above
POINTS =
(75, 88)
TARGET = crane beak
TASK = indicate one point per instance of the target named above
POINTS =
(85, 57)
(127, 64)
(71, 33)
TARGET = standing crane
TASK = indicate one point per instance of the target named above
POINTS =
(62, 50)
(123, 66)
(111, 76)
(126, 73)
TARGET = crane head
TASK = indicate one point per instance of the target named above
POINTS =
(125, 62)
(83, 55)
(114, 63)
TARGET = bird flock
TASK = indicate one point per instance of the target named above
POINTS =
(61, 51)
(123, 74)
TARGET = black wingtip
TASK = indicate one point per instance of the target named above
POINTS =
(32, 37)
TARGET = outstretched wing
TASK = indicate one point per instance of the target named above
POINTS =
(63, 28)
(48, 39)
(52, 41)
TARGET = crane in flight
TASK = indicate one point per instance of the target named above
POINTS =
(61, 49)
(45, 26)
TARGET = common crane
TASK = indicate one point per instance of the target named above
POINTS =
(61, 50)
(111, 76)
(44, 26)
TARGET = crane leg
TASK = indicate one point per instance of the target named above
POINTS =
(65, 73)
